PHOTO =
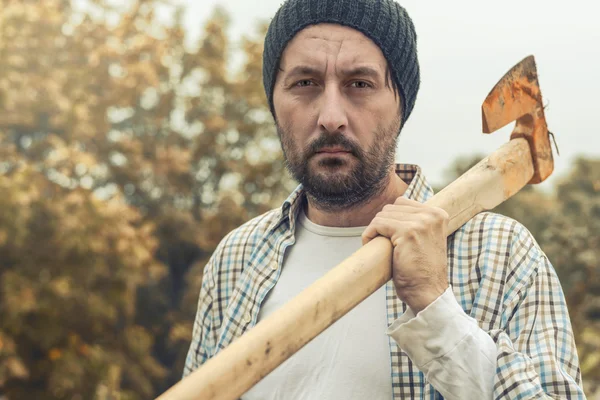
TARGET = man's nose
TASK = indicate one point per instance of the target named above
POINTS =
(332, 113)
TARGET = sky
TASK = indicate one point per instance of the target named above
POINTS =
(464, 48)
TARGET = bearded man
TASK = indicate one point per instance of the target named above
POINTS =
(478, 315)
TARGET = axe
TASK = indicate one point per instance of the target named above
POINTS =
(526, 158)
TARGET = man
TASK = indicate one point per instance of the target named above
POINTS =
(479, 315)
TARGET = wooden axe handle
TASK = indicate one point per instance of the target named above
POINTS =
(237, 368)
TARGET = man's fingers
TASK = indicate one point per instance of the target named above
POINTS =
(387, 227)
(402, 201)
(407, 208)
(429, 214)
(400, 215)
(379, 226)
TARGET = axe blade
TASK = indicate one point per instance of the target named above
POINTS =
(517, 97)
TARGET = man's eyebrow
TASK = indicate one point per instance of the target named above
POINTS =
(302, 70)
(361, 71)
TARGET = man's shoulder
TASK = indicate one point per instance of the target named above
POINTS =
(491, 239)
(495, 229)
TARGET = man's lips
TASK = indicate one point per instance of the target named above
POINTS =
(333, 150)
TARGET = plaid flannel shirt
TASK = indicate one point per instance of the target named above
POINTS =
(497, 271)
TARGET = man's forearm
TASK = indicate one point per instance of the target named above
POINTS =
(456, 356)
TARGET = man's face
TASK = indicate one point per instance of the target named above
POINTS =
(336, 114)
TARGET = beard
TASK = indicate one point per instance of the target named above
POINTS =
(341, 182)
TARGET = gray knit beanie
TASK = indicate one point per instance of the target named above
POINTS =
(385, 22)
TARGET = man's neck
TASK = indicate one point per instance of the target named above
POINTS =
(361, 215)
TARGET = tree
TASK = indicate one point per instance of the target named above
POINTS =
(61, 90)
(108, 102)
(67, 290)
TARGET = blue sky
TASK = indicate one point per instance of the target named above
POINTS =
(464, 48)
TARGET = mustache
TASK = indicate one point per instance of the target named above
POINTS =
(331, 140)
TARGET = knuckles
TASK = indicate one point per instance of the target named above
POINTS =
(438, 216)
(441, 214)
(388, 207)
(429, 221)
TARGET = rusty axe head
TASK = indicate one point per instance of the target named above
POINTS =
(517, 97)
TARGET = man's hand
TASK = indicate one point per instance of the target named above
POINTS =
(418, 233)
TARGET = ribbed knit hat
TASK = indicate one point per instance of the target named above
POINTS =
(385, 22)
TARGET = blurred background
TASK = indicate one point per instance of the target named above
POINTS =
(134, 135)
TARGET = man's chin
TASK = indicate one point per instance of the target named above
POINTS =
(338, 177)
(329, 180)
(333, 184)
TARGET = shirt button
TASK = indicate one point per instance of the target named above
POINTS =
(247, 318)
(274, 265)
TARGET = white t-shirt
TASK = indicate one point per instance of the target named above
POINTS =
(351, 359)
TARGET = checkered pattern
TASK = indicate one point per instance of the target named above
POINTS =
(498, 273)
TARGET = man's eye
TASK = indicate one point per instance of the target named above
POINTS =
(360, 85)
(303, 83)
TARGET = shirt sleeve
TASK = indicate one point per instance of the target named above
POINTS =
(203, 336)
(537, 357)
(534, 348)
(447, 345)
